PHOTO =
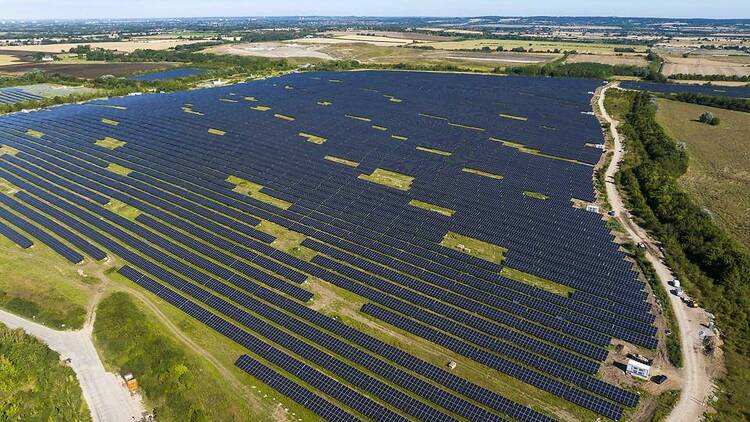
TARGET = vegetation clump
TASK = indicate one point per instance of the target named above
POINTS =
(35, 384)
(709, 118)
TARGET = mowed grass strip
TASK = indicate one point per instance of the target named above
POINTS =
(341, 161)
(217, 132)
(360, 118)
(228, 100)
(482, 173)
(430, 116)
(399, 137)
(532, 280)
(118, 169)
(34, 133)
(110, 122)
(380, 128)
(474, 247)
(313, 138)
(284, 117)
(110, 143)
(260, 108)
(435, 151)
(432, 207)
(191, 111)
(252, 189)
(122, 209)
(478, 129)
(535, 195)
(389, 178)
(510, 116)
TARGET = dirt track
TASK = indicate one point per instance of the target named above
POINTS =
(697, 385)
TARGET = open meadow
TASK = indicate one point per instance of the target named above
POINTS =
(719, 172)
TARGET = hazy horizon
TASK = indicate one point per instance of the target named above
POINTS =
(110, 9)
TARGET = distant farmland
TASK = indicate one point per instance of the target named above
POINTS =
(375, 245)
(87, 70)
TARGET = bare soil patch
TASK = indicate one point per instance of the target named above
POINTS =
(272, 49)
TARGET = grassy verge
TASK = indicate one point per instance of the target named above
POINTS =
(431, 207)
(38, 284)
(34, 384)
(664, 405)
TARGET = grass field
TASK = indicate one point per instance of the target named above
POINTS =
(719, 172)
(594, 48)
(41, 285)
(34, 384)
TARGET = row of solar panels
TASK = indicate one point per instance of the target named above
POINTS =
(15, 95)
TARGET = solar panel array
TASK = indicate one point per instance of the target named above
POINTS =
(168, 74)
(15, 95)
(712, 90)
(196, 242)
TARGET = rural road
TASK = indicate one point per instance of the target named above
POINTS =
(696, 383)
(105, 393)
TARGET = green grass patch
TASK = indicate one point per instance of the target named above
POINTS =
(6, 149)
(284, 117)
(364, 119)
(110, 122)
(260, 108)
(399, 137)
(191, 111)
(252, 189)
(532, 280)
(40, 285)
(535, 195)
(482, 173)
(389, 178)
(435, 151)
(341, 161)
(116, 168)
(110, 143)
(510, 116)
(432, 207)
(250, 98)
(122, 209)
(217, 132)
(170, 377)
(474, 247)
(287, 240)
(34, 133)
(380, 128)
(35, 385)
(313, 138)
(526, 150)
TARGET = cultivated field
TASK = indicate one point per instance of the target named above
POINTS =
(124, 46)
(631, 59)
(737, 66)
(719, 172)
(593, 48)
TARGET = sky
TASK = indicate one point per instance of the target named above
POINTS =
(71, 9)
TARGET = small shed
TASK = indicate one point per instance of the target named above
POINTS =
(592, 208)
(638, 369)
